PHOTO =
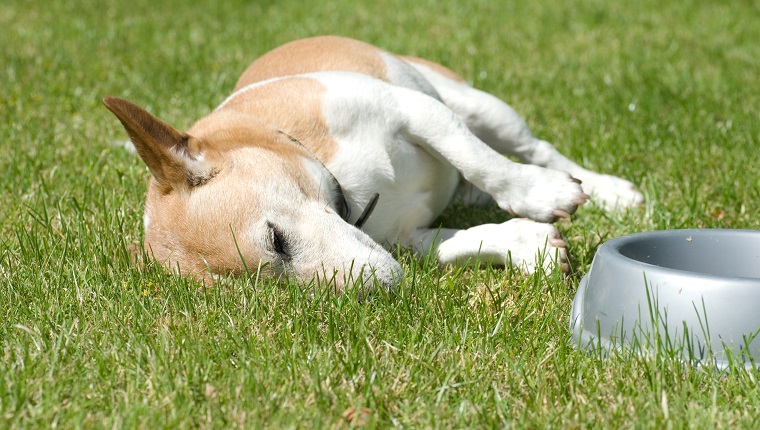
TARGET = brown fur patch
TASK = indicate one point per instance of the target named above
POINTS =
(292, 105)
(314, 55)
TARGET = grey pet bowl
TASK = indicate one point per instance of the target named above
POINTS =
(696, 292)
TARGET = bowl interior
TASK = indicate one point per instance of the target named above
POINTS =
(724, 253)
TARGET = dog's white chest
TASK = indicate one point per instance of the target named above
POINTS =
(414, 187)
(376, 155)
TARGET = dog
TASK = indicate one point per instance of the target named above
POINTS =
(281, 176)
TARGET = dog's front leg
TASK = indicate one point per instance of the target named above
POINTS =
(532, 191)
(499, 126)
(521, 242)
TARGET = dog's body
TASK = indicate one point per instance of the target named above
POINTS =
(276, 176)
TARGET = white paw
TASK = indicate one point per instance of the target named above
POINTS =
(524, 243)
(611, 192)
(534, 245)
(543, 195)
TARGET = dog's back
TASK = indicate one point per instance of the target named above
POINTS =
(334, 53)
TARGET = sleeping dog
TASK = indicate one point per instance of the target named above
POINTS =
(283, 175)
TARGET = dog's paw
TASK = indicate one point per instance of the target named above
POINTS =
(530, 246)
(534, 245)
(611, 192)
(523, 243)
(543, 195)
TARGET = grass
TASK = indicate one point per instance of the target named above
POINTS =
(663, 93)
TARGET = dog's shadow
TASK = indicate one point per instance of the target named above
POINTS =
(461, 216)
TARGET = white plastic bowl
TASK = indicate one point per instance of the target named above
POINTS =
(696, 292)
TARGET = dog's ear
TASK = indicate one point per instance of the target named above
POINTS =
(166, 151)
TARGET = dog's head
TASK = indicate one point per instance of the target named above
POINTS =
(239, 196)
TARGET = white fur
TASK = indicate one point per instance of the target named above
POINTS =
(411, 148)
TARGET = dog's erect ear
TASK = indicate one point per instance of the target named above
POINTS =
(164, 149)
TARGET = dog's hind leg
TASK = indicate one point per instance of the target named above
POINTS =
(523, 243)
(499, 126)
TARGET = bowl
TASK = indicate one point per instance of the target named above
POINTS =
(695, 292)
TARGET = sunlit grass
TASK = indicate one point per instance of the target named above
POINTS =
(664, 94)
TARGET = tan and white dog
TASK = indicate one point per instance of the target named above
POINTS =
(276, 177)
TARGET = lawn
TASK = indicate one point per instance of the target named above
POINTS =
(663, 93)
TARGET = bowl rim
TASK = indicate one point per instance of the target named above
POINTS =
(612, 248)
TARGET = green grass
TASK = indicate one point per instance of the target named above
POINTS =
(663, 93)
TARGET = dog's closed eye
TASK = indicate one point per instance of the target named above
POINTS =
(278, 242)
(340, 203)
(341, 206)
